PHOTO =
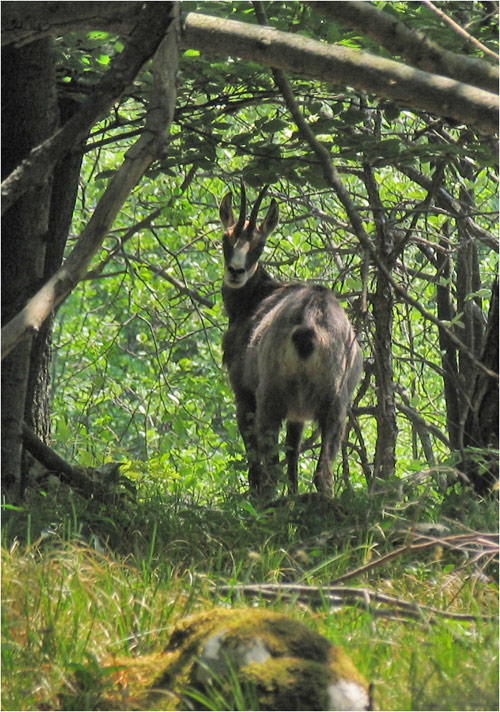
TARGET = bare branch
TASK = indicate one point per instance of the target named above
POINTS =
(344, 66)
(478, 544)
(457, 541)
(451, 205)
(55, 463)
(142, 44)
(420, 423)
(137, 160)
(410, 44)
(460, 31)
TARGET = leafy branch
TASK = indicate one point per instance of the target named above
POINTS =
(412, 45)
(344, 66)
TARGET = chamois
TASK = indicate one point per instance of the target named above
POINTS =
(290, 351)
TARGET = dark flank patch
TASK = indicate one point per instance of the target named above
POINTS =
(304, 340)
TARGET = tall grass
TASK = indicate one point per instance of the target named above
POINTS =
(95, 586)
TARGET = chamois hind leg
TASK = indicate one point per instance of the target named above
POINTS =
(293, 437)
(332, 427)
(268, 420)
(245, 414)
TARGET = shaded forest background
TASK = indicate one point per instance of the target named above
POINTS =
(119, 166)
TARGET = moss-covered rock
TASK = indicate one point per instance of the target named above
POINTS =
(242, 659)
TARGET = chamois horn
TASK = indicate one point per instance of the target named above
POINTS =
(243, 210)
(255, 210)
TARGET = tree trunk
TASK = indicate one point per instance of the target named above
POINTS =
(62, 203)
(30, 115)
(41, 197)
(449, 358)
(471, 330)
(385, 451)
(382, 308)
(481, 423)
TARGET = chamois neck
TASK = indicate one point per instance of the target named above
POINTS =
(241, 303)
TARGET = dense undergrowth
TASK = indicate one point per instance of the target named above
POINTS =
(88, 580)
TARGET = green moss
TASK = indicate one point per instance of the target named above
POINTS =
(278, 663)
(285, 664)
(288, 684)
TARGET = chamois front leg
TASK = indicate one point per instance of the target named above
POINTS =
(293, 437)
(245, 415)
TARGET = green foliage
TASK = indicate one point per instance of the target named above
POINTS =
(137, 370)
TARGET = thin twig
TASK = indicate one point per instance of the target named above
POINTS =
(141, 225)
(337, 597)
(182, 288)
(460, 30)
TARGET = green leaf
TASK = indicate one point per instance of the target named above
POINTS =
(351, 117)
(274, 125)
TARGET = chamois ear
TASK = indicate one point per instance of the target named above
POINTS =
(271, 219)
(226, 211)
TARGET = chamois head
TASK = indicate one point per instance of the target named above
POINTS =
(244, 240)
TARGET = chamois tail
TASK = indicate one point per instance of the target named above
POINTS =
(304, 339)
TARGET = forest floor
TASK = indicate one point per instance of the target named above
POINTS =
(411, 594)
